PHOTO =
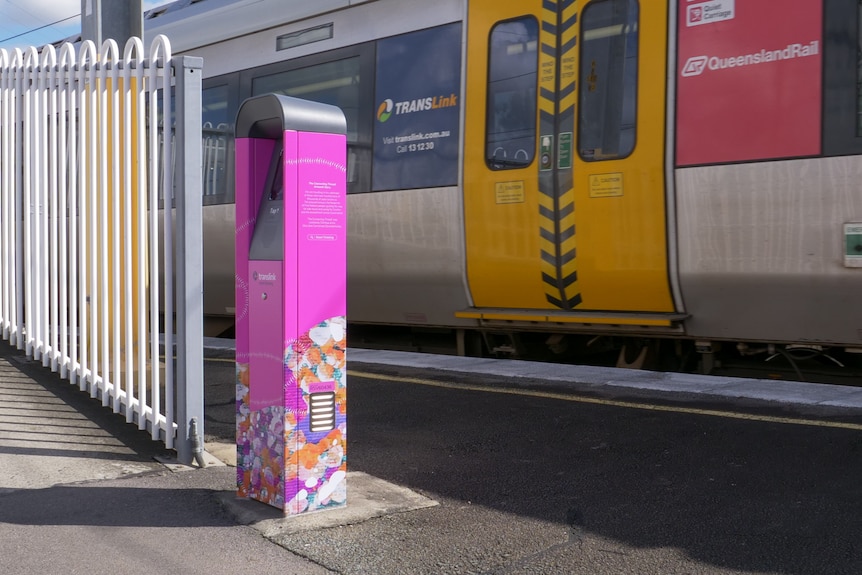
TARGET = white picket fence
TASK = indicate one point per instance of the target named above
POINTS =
(86, 254)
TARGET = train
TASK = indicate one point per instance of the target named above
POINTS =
(660, 183)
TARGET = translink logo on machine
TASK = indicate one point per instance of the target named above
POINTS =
(385, 110)
(697, 65)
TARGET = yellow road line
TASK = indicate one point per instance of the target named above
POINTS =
(594, 400)
(609, 402)
(219, 359)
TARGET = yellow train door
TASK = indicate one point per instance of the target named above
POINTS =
(564, 161)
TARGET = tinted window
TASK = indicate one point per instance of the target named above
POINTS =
(511, 117)
(417, 109)
(608, 79)
(859, 69)
(842, 77)
(336, 83)
(217, 138)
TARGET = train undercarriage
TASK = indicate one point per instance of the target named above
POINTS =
(776, 361)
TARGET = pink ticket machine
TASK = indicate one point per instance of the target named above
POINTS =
(291, 256)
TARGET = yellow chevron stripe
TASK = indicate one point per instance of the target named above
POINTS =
(548, 107)
(567, 222)
(547, 245)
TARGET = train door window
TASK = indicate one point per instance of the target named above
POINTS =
(336, 83)
(217, 135)
(513, 66)
(608, 79)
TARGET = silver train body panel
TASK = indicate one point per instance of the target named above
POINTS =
(405, 258)
(758, 239)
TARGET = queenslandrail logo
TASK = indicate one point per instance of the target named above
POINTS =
(697, 65)
(388, 108)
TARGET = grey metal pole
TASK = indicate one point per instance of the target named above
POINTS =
(116, 19)
(189, 258)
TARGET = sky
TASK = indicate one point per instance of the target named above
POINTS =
(58, 19)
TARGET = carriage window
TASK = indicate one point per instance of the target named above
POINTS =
(336, 83)
(842, 77)
(608, 79)
(859, 69)
(217, 138)
(512, 98)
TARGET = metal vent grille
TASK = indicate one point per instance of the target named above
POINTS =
(322, 411)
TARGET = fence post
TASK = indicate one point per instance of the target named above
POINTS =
(189, 257)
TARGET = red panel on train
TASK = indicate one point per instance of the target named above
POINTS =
(749, 78)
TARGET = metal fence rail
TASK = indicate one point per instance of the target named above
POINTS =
(86, 254)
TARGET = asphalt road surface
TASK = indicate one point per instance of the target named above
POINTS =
(530, 483)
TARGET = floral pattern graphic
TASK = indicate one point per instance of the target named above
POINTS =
(280, 460)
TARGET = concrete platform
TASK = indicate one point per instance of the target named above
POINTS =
(367, 498)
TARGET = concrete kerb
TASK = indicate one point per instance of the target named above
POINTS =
(224, 452)
(367, 498)
(210, 460)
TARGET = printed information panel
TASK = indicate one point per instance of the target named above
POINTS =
(749, 78)
(416, 129)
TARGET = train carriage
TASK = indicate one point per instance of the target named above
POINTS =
(533, 171)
